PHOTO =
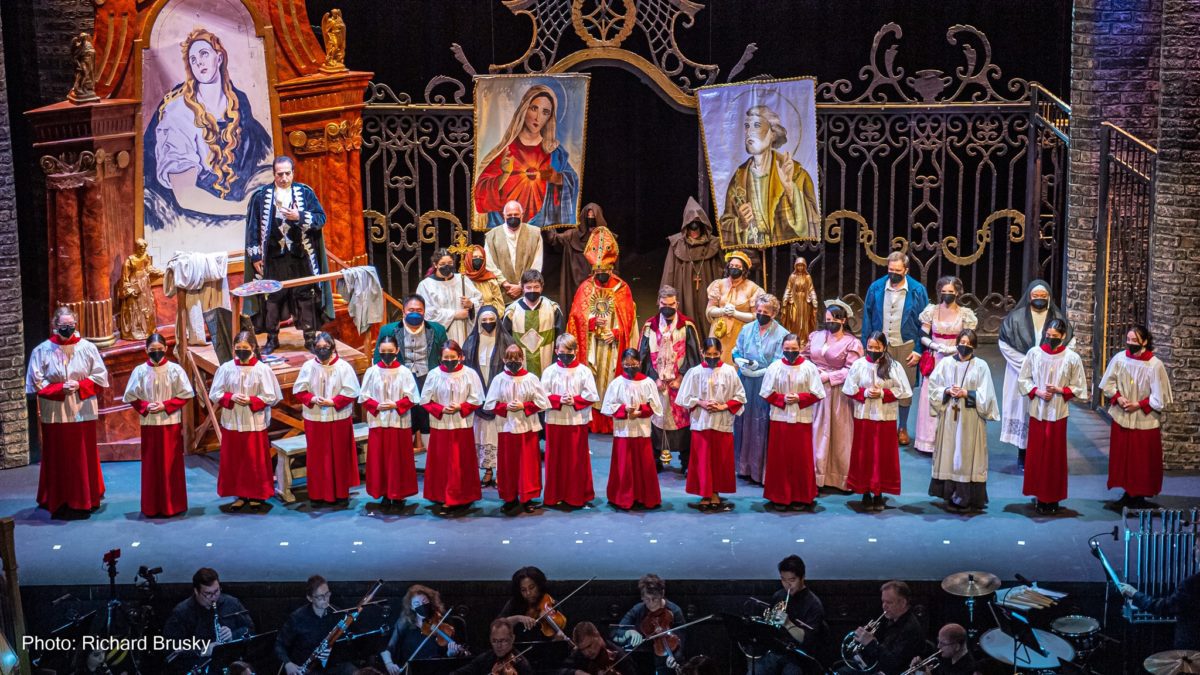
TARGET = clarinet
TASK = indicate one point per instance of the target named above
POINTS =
(216, 624)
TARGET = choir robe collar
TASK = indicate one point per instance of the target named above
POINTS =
(332, 361)
(519, 373)
(1146, 355)
(381, 364)
(637, 377)
(705, 364)
(1046, 348)
(253, 360)
(60, 342)
(573, 364)
(152, 364)
(798, 361)
(456, 368)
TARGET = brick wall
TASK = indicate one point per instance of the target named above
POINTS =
(1114, 78)
(14, 440)
(1176, 244)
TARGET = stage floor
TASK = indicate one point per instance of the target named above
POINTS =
(913, 539)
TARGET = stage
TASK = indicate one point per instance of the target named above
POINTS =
(913, 539)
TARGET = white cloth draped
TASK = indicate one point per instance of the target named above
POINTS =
(364, 296)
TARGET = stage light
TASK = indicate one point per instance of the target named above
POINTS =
(578, 541)
(136, 544)
(945, 541)
(432, 542)
(653, 541)
(358, 543)
(799, 541)
(724, 541)
(503, 541)
(57, 547)
(208, 544)
(283, 543)
(871, 540)
(1020, 542)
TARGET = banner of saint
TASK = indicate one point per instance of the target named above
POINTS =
(529, 145)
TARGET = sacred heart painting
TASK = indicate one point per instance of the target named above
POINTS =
(529, 145)
(760, 141)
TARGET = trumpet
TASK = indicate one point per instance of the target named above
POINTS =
(929, 663)
(852, 648)
(776, 615)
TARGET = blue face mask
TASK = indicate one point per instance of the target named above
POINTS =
(413, 319)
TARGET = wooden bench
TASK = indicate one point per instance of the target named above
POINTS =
(289, 450)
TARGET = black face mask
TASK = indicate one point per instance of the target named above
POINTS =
(243, 355)
(323, 353)
(791, 354)
(513, 222)
(388, 359)
(65, 332)
(513, 367)
(446, 270)
(531, 298)
(712, 361)
(487, 326)
(895, 278)
(589, 222)
(476, 264)
(424, 611)
(449, 364)
(764, 319)
(1133, 347)
(965, 350)
(564, 360)
(1054, 342)
(1039, 304)
(833, 326)
(630, 371)
(602, 277)
(157, 355)
(949, 298)
(693, 226)
(875, 356)
(735, 272)
(667, 313)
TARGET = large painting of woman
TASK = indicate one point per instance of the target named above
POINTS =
(533, 160)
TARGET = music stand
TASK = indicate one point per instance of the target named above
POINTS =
(438, 666)
(747, 632)
(226, 653)
(544, 653)
(1019, 629)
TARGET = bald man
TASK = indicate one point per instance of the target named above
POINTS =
(953, 656)
(512, 249)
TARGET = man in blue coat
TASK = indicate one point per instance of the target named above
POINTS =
(893, 306)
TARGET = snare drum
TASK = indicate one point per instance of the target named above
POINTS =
(999, 645)
(1080, 630)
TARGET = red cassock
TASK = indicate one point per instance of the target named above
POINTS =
(332, 456)
(164, 485)
(1135, 461)
(245, 468)
(518, 466)
(70, 473)
(874, 458)
(790, 475)
(391, 466)
(1046, 460)
(451, 462)
(568, 463)
(710, 469)
(632, 473)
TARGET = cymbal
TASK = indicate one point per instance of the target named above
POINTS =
(970, 584)
(1175, 662)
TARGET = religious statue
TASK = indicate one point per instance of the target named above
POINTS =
(799, 311)
(334, 31)
(138, 315)
(83, 53)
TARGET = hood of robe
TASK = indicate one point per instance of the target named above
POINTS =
(701, 248)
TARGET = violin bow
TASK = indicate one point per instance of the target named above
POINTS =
(558, 604)
(433, 631)
(650, 640)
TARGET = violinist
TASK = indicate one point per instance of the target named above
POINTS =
(593, 655)
(422, 610)
(654, 614)
(801, 613)
(527, 603)
(501, 659)
(306, 628)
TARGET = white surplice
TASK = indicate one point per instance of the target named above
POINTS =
(443, 299)
(388, 385)
(623, 391)
(336, 378)
(784, 379)
(720, 384)
(864, 375)
(156, 384)
(248, 380)
(960, 451)
(522, 388)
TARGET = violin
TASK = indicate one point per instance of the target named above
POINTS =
(657, 622)
(442, 633)
(550, 620)
(508, 664)
(605, 662)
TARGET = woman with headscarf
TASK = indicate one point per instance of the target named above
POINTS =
(485, 280)
(1023, 329)
(693, 263)
(484, 353)
(575, 267)
(529, 166)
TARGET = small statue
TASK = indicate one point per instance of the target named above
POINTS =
(83, 52)
(139, 316)
(334, 31)
(799, 311)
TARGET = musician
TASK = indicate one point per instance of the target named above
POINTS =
(654, 610)
(899, 637)
(502, 641)
(207, 608)
(421, 610)
(953, 656)
(242, 668)
(593, 654)
(527, 602)
(700, 665)
(304, 630)
(805, 616)
(1184, 604)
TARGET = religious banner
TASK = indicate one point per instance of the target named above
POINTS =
(529, 145)
(207, 137)
(760, 142)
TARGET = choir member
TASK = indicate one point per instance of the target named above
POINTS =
(962, 400)
(791, 386)
(714, 394)
(535, 321)
(731, 301)
(484, 279)
(631, 400)
(693, 263)
(158, 390)
(571, 391)
(452, 393)
(388, 394)
(656, 607)
(877, 384)
(327, 388)
(305, 629)
(758, 345)
(803, 616)
(526, 610)
(484, 353)
(941, 324)
(408, 641)
(833, 349)
(451, 298)
(516, 397)
(245, 389)
(207, 614)
(1024, 328)
(899, 637)
(670, 346)
(1137, 390)
(421, 343)
(893, 306)
(1050, 377)
(500, 655)
(594, 654)
(66, 373)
